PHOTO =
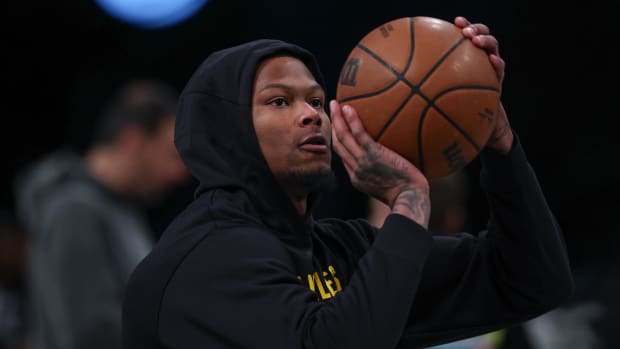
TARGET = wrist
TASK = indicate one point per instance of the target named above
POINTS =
(414, 203)
(502, 140)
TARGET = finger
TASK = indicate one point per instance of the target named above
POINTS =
(342, 132)
(475, 29)
(487, 42)
(499, 65)
(349, 168)
(347, 159)
(339, 129)
(356, 126)
(461, 21)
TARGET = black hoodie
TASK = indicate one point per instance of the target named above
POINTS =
(240, 268)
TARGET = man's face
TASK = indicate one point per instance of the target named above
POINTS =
(292, 126)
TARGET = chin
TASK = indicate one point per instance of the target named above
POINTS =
(318, 178)
(320, 168)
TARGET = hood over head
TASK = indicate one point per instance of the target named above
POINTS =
(215, 135)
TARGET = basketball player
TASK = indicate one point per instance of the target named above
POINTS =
(247, 266)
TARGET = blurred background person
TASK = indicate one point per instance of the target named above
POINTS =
(13, 322)
(85, 211)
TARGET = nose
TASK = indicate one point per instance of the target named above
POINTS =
(310, 116)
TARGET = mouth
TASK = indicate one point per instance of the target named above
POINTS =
(314, 143)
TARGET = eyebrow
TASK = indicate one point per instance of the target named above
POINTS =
(314, 87)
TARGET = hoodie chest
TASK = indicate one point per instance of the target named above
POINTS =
(323, 271)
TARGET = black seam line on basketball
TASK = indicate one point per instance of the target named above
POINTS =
(454, 88)
(448, 118)
(453, 123)
(380, 60)
(370, 94)
(393, 116)
(440, 60)
(420, 144)
(399, 76)
(414, 89)
(411, 49)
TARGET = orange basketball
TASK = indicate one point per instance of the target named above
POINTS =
(423, 90)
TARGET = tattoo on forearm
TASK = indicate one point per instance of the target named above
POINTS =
(415, 201)
(502, 132)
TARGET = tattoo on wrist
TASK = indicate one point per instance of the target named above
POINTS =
(502, 132)
(415, 201)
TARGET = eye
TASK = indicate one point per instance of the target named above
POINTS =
(278, 102)
(316, 103)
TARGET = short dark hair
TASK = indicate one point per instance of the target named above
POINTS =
(141, 102)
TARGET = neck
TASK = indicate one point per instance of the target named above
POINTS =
(107, 166)
(298, 185)
(300, 201)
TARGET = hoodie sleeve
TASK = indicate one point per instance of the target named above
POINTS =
(238, 289)
(514, 271)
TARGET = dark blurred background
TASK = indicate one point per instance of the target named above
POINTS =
(63, 57)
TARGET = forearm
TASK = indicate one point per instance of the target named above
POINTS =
(372, 311)
(527, 241)
(518, 269)
(502, 138)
